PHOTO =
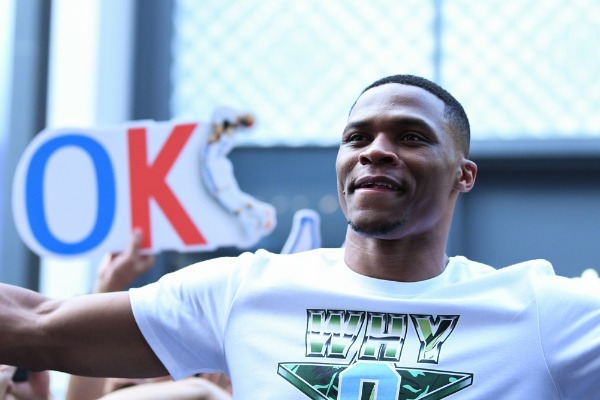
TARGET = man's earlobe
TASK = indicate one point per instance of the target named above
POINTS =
(468, 173)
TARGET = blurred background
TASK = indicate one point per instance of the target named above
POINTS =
(527, 72)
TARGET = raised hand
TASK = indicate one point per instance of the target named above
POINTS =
(120, 269)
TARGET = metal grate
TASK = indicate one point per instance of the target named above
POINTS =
(297, 64)
(524, 68)
(520, 68)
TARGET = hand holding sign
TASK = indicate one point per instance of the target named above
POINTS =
(80, 192)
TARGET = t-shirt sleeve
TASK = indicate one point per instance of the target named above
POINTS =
(183, 316)
(570, 333)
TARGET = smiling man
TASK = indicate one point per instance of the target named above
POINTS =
(401, 165)
(389, 316)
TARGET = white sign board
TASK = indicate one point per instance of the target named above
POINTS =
(80, 192)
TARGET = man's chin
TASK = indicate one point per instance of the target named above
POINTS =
(373, 229)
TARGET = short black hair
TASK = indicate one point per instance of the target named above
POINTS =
(453, 110)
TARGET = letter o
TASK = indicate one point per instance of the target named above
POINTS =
(34, 202)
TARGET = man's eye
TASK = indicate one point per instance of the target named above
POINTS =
(412, 137)
(355, 137)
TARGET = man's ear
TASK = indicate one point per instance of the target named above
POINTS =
(467, 175)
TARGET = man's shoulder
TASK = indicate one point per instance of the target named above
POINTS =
(538, 274)
(529, 270)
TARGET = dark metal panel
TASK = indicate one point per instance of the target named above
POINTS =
(531, 208)
(27, 117)
(152, 60)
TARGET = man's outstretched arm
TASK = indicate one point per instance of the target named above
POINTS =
(93, 335)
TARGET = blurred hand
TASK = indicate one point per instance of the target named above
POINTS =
(6, 373)
(114, 384)
(193, 388)
(219, 379)
(36, 387)
(118, 270)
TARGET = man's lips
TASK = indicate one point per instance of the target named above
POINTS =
(378, 183)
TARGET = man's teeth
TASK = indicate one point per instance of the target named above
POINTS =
(385, 185)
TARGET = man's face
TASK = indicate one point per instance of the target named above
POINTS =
(397, 166)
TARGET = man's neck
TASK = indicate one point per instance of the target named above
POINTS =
(403, 260)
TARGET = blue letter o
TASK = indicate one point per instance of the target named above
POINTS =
(34, 189)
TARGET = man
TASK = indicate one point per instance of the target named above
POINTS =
(389, 316)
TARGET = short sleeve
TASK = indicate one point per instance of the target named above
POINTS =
(570, 333)
(183, 316)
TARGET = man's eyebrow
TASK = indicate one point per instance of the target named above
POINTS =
(412, 121)
(356, 124)
(400, 121)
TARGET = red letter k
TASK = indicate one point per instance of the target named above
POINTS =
(148, 180)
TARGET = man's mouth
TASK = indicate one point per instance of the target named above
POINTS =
(377, 183)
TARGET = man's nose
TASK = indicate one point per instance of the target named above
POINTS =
(380, 151)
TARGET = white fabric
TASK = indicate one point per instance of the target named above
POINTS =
(515, 333)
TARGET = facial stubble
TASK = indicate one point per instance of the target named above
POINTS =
(377, 230)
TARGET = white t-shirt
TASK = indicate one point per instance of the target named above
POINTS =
(304, 325)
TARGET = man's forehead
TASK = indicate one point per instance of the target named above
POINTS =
(398, 97)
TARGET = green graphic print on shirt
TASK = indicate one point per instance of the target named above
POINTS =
(373, 342)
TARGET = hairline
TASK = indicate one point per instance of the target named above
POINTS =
(453, 110)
